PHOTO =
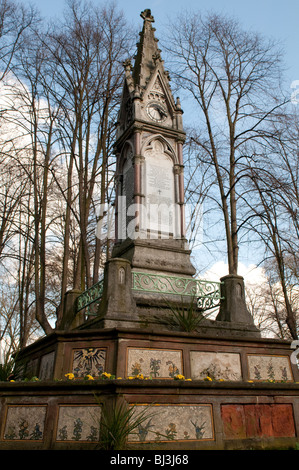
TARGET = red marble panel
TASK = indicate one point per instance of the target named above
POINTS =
(283, 421)
(233, 421)
(245, 421)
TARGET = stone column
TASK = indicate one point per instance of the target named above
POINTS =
(137, 179)
(181, 190)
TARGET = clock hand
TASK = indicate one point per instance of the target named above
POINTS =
(161, 112)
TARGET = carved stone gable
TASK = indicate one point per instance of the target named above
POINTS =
(157, 85)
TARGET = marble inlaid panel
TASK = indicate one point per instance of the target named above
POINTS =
(78, 423)
(217, 365)
(154, 363)
(174, 422)
(47, 366)
(159, 189)
(269, 367)
(88, 361)
(25, 422)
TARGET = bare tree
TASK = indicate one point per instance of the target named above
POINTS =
(233, 79)
(274, 206)
(61, 105)
(15, 20)
(87, 53)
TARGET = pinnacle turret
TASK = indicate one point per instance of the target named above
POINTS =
(148, 52)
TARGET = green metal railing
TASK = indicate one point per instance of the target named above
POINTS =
(207, 293)
(89, 297)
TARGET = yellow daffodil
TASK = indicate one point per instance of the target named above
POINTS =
(179, 377)
(106, 375)
(70, 376)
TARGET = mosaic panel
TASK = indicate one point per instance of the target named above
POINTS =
(47, 366)
(155, 363)
(88, 361)
(78, 423)
(25, 423)
(174, 422)
(218, 366)
(269, 368)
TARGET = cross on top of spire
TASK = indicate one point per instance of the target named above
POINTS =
(147, 15)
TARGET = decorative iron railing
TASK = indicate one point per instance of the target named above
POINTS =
(207, 293)
(89, 297)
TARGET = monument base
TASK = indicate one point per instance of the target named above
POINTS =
(195, 391)
(164, 256)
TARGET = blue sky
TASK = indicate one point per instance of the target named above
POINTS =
(273, 18)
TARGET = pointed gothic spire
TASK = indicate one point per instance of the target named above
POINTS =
(147, 51)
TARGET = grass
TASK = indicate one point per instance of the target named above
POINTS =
(184, 317)
(118, 423)
(6, 370)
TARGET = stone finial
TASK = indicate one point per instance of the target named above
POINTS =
(147, 15)
(127, 65)
(157, 56)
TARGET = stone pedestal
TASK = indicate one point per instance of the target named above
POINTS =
(170, 256)
(204, 392)
(117, 306)
(233, 306)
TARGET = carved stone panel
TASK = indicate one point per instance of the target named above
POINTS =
(159, 190)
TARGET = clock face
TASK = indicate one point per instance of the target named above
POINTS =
(156, 112)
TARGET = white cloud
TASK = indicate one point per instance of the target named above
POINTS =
(252, 274)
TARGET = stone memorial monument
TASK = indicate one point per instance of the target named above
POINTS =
(140, 336)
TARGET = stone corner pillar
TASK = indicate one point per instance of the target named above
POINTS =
(233, 306)
(117, 300)
(70, 318)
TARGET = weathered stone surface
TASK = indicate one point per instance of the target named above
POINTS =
(233, 306)
(254, 420)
